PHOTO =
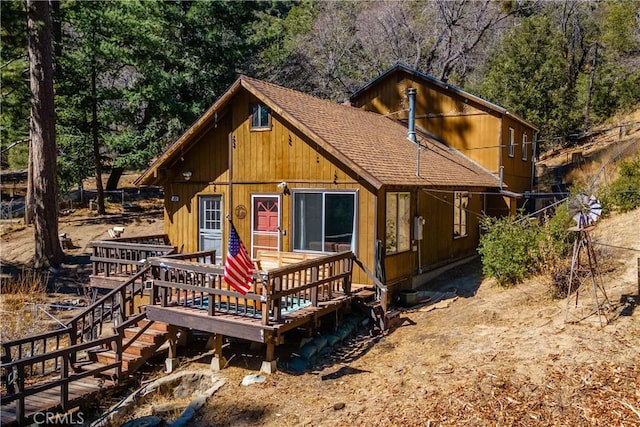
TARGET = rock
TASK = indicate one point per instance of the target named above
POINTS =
(253, 379)
(338, 406)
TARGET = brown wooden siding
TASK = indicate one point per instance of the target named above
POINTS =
(261, 160)
(517, 172)
(474, 129)
(439, 245)
(461, 124)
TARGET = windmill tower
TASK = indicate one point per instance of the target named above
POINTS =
(585, 211)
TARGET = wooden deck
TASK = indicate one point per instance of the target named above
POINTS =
(56, 371)
(49, 400)
(195, 296)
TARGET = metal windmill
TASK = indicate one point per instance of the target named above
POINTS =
(585, 211)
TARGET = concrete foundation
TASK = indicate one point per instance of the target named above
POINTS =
(218, 363)
(269, 367)
(171, 364)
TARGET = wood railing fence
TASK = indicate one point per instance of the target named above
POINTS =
(274, 292)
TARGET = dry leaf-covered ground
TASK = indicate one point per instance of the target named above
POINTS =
(499, 357)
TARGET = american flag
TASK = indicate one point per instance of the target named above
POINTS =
(238, 267)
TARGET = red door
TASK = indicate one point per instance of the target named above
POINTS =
(266, 224)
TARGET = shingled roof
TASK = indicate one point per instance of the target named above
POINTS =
(372, 145)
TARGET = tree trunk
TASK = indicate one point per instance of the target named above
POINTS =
(43, 138)
(592, 77)
(96, 142)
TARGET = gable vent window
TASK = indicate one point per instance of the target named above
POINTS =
(260, 117)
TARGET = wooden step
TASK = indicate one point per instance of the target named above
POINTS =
(90, 365)
(137, 348)
(156, 326)
(149, 336)
(109, 356)
(365, 294)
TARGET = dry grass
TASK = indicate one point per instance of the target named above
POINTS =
(19, 312)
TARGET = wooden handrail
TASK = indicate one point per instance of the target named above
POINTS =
(310, 263)
(192, 255)
(113, 292)
(137, 239)
(68, 355)
(57, 353)
(43, 335)
(127, 245)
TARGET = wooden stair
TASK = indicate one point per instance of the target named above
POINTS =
(368, 302)
(140, 342)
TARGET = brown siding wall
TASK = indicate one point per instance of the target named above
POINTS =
(517, 172)
(438, 245)
(464, 125)
(261, 160)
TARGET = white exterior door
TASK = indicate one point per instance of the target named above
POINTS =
(210, 225)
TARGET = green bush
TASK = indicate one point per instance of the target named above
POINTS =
(509, 248)
(624, 192)
(554, 239)
(513, 248)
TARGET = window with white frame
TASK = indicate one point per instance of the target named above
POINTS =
(324, 221)
(398, 234)
(460, 205)
(512, 142)
(525, 143)
(260, 117)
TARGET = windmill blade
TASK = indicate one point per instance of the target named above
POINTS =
(585, 210)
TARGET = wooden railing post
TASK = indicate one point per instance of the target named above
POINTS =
(73, 338)
(64, 387)
(348, 264)
(122, 312)
(19, 380)
(9, 376)
(119, 354)
(314, 290)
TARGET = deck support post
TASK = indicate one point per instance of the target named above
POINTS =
(269, 365)
(171, 363)
(218, 362)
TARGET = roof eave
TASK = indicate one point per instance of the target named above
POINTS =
(150, 176)
(373, 181)
(399, 66)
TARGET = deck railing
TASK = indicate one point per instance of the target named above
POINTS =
(18, 386)
(36, 346)
(114, 307)
(127, 255)
(273, 293)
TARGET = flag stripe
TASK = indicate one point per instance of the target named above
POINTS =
(238, 267)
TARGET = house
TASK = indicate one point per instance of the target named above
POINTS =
(486, 133)
(300, 174)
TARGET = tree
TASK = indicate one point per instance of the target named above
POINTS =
(42, 166)
(14, 74)
(529, 75)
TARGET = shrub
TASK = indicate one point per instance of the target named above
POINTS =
(19, 315)
(555, 241)
(624, 192)
(508, 247)
(513, 248)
